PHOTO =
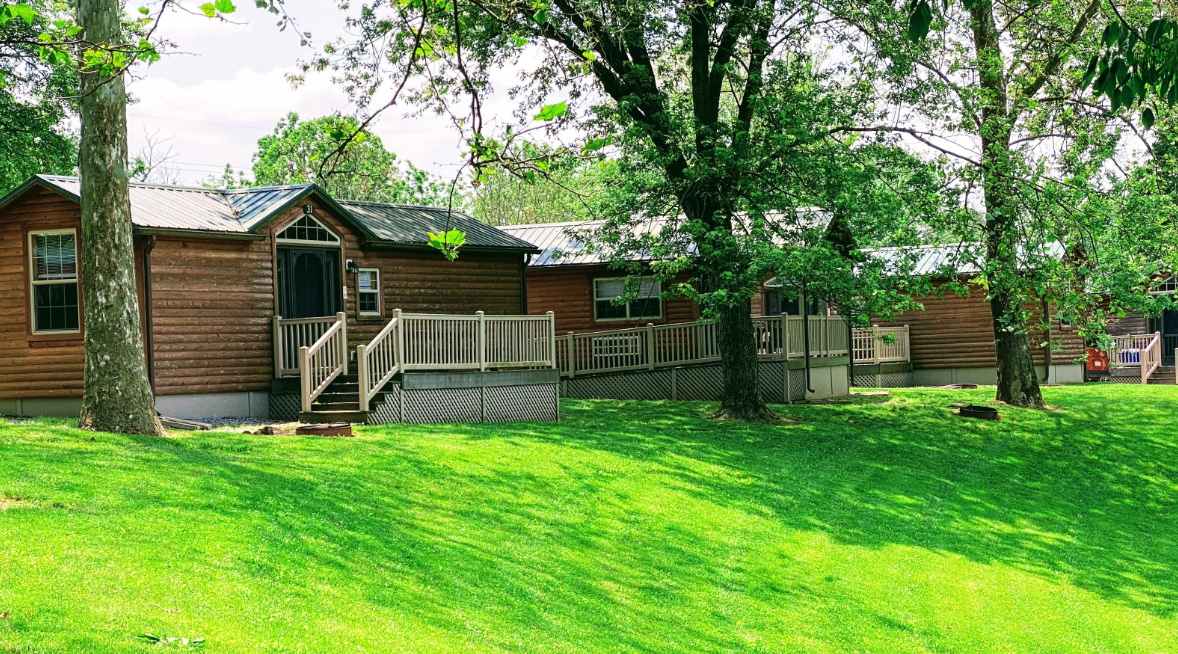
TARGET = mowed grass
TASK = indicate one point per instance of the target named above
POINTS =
(629, 526)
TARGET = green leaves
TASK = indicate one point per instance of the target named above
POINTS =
(18, 11)
(447, 242)
(1136, 66)
(920, 17)
(211, 9)
(552, 111)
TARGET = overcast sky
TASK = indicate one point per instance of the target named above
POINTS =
(226, 87)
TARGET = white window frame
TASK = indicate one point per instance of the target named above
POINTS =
(360, 293)
(658, 297)
(34, 282)
(298, 241)
(1159, 288)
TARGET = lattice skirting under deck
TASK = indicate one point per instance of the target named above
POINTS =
(884, 380)
(285, 406)
(700, 383)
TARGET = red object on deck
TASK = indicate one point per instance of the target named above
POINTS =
(1097, 360)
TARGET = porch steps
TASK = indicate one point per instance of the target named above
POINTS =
(340, 403)
(1163, 375)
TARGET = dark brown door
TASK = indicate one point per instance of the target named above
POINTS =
(309, 283)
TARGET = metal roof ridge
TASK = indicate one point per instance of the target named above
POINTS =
(566, 223)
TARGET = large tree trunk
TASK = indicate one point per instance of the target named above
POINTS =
(117, 395)
(1018, 383)
(739, 365)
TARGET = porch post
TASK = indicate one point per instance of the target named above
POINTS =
(650, 349)
(552, 337)
(277, 322)
(570, 349)
(343, 342)
(482, 341)
(305, 377)
(399, 339)
(362, 372)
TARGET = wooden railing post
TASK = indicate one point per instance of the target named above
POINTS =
(552, 337)
(305, 377)
(482, 341)
(907, 349)
(343, 339)
(570, 349)
(875, 344)
(650, 348)
(399, 339)
(362, 373)
(277, 346)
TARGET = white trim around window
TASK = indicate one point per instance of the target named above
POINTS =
(648, 288)
(308, 225)
(54, 291)
(368, 291)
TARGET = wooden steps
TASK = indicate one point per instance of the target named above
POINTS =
(340, 402)
(1163, 375)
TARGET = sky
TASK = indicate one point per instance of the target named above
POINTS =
(225, 86)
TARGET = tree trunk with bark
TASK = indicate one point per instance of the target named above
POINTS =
(1018, 383)
(117, 395)
(740, 397)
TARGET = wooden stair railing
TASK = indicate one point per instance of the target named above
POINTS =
(379, 360)
(1142, 351)
(323, 361)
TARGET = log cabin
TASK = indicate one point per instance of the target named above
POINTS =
(950, 341)
(602, 335)
(231, 285)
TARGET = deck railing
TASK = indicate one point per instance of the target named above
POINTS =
(881, 344)
(661, 346)
(323, 361)
(292, 334)
(379, 360)
(1141, 351)
(476, 342)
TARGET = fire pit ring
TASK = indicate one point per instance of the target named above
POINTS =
(977, 411)
(333, 429)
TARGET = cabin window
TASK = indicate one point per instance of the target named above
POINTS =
(368, 291)
(1165, 287)
(54, 272)
(308, 231)
(645, 305)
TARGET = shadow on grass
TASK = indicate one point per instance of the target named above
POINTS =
(1087, 492)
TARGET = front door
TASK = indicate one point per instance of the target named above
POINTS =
(1167, 324)
(309, 283)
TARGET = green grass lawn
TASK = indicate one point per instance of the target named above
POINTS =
(629, 526)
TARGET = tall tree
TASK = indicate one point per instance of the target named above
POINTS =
(117, 395)
(703, 99)
(994, 89)
(348, 163)
(572, 190)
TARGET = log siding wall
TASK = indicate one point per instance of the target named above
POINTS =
(956, 332)
(44, 365)
(568, 291)
(213, 299)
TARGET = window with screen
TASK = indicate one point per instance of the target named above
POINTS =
(644, 304)
(54, 271)
(368, 291)
(309, 231)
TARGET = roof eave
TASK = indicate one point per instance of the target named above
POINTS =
(38, 181)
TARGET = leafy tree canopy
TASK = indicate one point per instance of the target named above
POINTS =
(35, 111)
(349, 164)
